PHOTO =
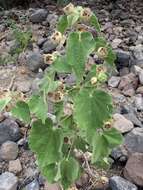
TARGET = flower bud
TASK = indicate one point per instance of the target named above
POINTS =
(93, 80)
(86, 14)
(102, 52)
(102, 77)
(69, 9)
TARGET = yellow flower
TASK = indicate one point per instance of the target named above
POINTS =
(49, 58)
(69, 9)
(57, 37)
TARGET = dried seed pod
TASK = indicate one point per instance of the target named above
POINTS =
(69, 9)
(48, 59)
(102, 52)
(57, 37)
(86, 14)
(93, 80)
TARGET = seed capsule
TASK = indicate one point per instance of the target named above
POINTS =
(86, 14)
(49, 59)
(93, 80)
(69, 9)
(57, 37)
(102, 52)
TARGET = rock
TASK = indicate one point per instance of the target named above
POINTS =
(128, 84)
(15, 166)
(139, 90)
(139, 72)
(52, 20)
(133, 140)
(38, 16)
(123, 59)
(9, 130)
(54, 186)
(119, 183)
(122, 124)
(132, 117)
(113, 81)
(9, 150)
(119, 154)
(139, 102)
(34, 61)
(133, 170)
(70, 80)
(49, 46)
(116, 42)
(34, 185)
(23, 86)
(8, 181)
(124, 71)
(138, 52)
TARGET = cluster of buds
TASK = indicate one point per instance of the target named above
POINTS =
(86, 14)
(102, 52)
(69, 9)
(50, 58)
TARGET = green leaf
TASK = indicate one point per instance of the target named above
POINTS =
(4, 102)
(100, 42)
(111, 57)
(38, 107)
(113, 137)
(69, 172)
(72, 19)
(61, 65)
(95, 23)
(46, 142)
(50, 172)
(100, 148)
(92, 108)
(79, 47)
(21, 111)
(62, 24)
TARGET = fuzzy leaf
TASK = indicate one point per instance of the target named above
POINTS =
(38, 107)
(92, 109)
(95, 23)
(72, 19)
(4, 102)
(113, 137)
(21, 111)
(61, 65)
(46, 142)
(79, 46)
(69, 172)
(100, 148)
(62, 24)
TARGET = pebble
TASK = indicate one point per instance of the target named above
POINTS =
(9, 130)
(138, 52)
(139, 102)
(116, 42)
(121, 123)
(133, 118)
(34, 185)
(49, 186)
(23, 86)
(119, 183)
(139, 72)
(134, 140)
(38, 16)
(113, 81)
(133, 170)
(15, 166)
(122, 59)
(9, 150)
(34, 61)
(8, 181)
(49, 46)
(139, 90)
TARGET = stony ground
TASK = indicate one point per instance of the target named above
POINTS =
(122, 25)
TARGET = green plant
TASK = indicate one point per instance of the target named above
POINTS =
(83, 111)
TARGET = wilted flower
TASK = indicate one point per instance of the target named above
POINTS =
(69, 9)
(102, 52)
